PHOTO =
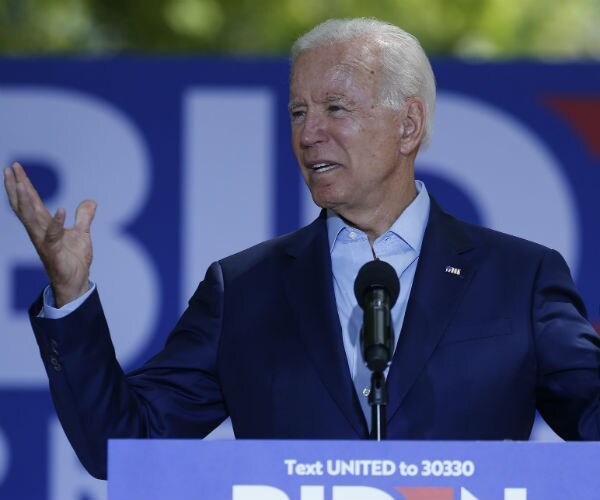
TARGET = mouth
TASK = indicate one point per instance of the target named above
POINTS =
(323, 167)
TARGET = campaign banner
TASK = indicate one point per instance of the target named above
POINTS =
(350, 470)
(189, 160)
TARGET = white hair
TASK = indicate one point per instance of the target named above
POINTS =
(406, 68)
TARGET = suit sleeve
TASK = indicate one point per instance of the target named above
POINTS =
(568, 354)
(176, 394)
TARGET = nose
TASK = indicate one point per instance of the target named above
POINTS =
(313, 130)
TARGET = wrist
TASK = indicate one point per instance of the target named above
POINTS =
(64, 295)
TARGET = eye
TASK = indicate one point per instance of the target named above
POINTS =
(334, 108)
(297, 114)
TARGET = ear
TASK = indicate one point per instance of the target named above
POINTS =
(412, 126)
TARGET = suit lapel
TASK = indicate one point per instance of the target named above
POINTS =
(309, 290)
(435, 294)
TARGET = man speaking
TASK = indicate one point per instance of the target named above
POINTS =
(486, 327)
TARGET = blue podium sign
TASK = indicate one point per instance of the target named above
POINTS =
(351, 470)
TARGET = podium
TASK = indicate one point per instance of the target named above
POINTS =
(352, 470)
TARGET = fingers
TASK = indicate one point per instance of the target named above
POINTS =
(23, 197)
(10, 184)
(27, 204)
(84, 215)
(22, 179)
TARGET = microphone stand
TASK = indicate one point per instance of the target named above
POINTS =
(377, 357)
(376, 354)
(377, 288)
(378, 398)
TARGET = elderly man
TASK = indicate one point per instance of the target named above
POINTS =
(488, 327)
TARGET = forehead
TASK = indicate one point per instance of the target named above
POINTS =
(340, 67)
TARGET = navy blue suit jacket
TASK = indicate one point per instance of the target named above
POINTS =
(261, 342)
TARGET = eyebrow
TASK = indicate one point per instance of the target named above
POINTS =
(295, 104)
(328, 99)
(335, 98)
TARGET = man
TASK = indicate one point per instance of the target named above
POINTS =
(488, 326)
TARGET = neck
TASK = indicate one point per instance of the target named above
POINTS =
(378, 220)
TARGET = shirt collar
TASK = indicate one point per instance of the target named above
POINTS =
(410, 226)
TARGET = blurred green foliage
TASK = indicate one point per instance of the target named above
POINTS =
(470, 28)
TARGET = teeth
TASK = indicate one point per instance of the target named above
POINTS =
(323, 167)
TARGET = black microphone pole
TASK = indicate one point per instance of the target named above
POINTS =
(378, 400)
(377, 288)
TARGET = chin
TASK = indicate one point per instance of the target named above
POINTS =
(327, 199)
(325, 203)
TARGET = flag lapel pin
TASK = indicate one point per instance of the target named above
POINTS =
(457, 271)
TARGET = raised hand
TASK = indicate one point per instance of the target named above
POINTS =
(65, 252)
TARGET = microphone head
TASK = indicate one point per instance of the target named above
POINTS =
(376, 274)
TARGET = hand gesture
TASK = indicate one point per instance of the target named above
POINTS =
(65, 252)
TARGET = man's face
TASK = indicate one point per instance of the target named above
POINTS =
(346, 142)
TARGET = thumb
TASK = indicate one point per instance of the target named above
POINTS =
(84, 215)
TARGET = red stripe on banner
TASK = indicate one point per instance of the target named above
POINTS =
(581, 113)
(426, 493)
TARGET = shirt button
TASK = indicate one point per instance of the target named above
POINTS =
(366, 391)
(352, 235)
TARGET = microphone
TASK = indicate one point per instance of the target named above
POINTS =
(377, 288)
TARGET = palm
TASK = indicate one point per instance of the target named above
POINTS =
(68, 259)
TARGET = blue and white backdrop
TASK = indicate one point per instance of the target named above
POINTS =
(189, 160)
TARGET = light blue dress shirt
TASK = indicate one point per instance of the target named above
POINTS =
(400, 247)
